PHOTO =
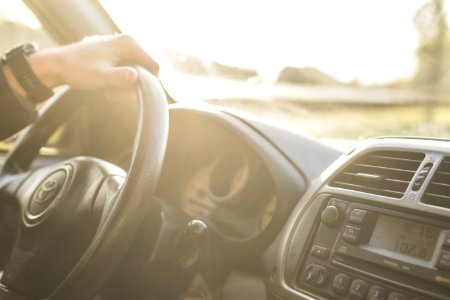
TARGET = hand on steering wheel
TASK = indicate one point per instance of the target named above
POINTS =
(96, 63)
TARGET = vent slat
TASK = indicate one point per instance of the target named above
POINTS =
(442, 197)
(386, 173)
(439, 184)
(387, 183)
(445, 167)
(387, 179)
(438, 191)
(386, 168)
(444, 173)
(418, 156)
(387, 158)
(442, 177)
(363, 188)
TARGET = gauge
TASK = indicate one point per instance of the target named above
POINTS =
(228, 177)
(195, 200)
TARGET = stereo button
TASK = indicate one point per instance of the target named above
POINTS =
(341, 283)
(396, 296)
(351, 234)
(377, 293)
(358, 289)
(316, 275)
(358, 216)
(443, 262)
(320, 252)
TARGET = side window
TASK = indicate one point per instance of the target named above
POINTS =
(19, 25)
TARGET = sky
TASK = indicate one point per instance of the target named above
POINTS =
(371, 41)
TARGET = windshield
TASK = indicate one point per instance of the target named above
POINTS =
(347, 69)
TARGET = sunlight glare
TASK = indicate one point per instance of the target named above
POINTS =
(371, 41)
(16, 11)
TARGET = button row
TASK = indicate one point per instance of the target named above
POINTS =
(342, 285)
(359, 289)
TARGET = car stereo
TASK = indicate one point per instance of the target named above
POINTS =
(367, 252)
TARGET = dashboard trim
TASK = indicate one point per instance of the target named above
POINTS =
(432, 148)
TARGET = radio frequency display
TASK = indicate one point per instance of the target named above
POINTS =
(405, 237)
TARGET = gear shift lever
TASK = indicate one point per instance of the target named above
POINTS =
(188, 245)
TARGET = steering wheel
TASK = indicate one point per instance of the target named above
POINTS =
(78, 217)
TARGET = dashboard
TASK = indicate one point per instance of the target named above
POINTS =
(292, 218)
(371, 224)
(379, 223)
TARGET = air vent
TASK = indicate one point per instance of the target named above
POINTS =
(438, 191)
(386, 173)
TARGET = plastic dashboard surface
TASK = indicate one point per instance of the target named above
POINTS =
(302, 181)
(224, 170)
(349, 242)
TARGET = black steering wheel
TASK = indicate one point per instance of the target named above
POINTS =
(79, 217)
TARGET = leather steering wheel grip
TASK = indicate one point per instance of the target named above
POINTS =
(120, 223)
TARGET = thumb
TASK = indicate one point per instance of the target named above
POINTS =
(120, 77)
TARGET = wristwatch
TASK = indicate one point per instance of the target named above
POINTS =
(16, 59)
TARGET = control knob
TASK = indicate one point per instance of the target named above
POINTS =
(330, 216)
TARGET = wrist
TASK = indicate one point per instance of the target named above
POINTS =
(46, 67)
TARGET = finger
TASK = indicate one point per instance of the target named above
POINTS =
(120, 94)
(120, 77)
(131, 52)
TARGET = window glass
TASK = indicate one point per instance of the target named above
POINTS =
(19, 25)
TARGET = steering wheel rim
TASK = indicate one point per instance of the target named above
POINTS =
(116, 230)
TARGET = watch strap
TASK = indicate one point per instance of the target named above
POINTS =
(17, 61)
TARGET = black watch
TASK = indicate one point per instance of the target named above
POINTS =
(16, 59)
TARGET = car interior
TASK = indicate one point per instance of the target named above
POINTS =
(168, 199)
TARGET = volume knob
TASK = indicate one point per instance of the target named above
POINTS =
(330, 216)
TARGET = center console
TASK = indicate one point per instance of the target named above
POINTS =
(376, 226)
(363, 251)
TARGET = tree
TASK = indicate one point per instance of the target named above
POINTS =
(432, 53)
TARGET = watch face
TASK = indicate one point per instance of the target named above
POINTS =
(29, 48)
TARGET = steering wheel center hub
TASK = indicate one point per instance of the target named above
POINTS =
(46, 196)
